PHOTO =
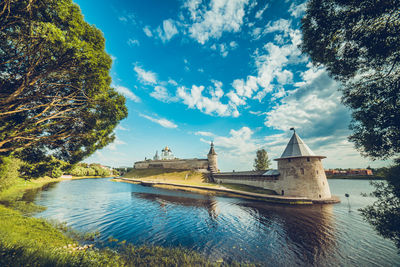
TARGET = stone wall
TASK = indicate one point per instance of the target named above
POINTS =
(179, 164)
(304, 177)
(266, 182)
(299, 177)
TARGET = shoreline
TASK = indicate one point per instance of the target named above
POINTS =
(30, 241)
(231, 192)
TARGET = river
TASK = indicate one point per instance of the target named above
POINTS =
(224, 227)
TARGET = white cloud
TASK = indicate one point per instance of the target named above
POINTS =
(272, 62)
(147, 31)
(297, 10)
(126, 92)
(113, 145)
(133, 42)
(209, 134)
(237, 150)
(161, 93)
(194, 98)
(172, 82)
(146, 77)
(128, 18)
(220, 16)
(260, 12)
(233, 45)
(282, 25)
(163, 122)
(235, 99)
(245, 88)
(167, 31)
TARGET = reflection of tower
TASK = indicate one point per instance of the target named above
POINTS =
(212, 160)
(302, 172)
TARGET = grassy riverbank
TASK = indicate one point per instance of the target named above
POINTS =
(28, 241)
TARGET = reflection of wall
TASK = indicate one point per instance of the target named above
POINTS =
(208, 202)
(309, 231)
(179, 164)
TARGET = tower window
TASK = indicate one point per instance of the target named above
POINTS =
(308, 159)
(302, 170)
(317, 171)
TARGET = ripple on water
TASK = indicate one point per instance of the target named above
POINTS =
(224, 227)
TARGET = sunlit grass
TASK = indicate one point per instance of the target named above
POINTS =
(28, 241)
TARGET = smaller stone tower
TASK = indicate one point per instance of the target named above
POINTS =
(302, 172)
(212, 160)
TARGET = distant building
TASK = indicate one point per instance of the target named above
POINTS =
(167, 160)
(349, 172)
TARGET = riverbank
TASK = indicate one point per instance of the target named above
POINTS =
(28, 241)
(355, 177)
(215, 188)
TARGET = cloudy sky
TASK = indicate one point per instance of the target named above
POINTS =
(230, 71)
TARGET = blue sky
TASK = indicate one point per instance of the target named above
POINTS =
(224, 70)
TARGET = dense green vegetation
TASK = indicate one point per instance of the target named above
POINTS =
(359, 44)
(55, 96)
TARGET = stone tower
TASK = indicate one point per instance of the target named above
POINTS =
(302, 172)
(212, 160)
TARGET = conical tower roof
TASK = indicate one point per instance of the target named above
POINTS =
(297, 148)
(212, 151)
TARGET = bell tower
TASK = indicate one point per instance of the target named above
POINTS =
(212, 160)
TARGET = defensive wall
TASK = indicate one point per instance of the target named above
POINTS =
(178, 164)
(300, 174)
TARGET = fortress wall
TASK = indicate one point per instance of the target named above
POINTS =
(302, 178)
(266, 182)
(183, 164)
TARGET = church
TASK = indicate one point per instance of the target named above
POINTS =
(167, 160)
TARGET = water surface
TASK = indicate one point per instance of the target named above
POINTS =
(223, 227)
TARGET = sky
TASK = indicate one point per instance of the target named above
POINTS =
(228, 71)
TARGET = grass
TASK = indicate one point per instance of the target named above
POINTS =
(170, 176)
(249, 188)
(28, 241)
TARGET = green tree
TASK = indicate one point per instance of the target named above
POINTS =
(55, 94)
(384, 213)
(359, 44)
(261, 162)
(9, 171)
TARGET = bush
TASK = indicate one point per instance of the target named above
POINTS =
(9, 171)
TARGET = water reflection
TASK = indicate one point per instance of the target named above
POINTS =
(208, 202)
(223, 227)
(309, 231)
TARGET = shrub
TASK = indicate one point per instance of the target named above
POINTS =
(9, 171)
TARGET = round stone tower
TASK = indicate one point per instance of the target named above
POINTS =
(212, 159)
(301, 171)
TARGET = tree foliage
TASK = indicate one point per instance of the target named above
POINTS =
(359, 44)
(384, 213)
(261, 162)
(9, 171)
(55, 94)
